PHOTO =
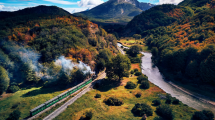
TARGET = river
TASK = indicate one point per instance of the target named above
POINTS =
(185, 97)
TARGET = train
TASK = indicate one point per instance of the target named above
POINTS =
(56, 99)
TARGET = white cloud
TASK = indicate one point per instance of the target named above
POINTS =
(1, 3)
(75, 10)
(169, 1)
(89, 3)
(9, 8)
(61, 2)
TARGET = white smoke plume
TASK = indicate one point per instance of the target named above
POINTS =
(68, 65)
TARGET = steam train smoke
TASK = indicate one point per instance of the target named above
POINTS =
(68, 65)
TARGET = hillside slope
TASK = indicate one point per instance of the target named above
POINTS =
(182, 40)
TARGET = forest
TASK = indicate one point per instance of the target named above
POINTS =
(181, 38)
(31, 46)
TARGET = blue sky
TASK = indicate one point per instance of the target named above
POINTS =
(69, 5)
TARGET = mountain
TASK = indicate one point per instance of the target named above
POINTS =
(116, 11)
(39, 10)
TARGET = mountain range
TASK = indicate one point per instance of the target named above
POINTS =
(117, 11)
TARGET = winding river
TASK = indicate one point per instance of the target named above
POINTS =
(156, 78)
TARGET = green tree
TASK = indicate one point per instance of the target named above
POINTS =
(141, 109)
(191, 70)
(100, 65)
(155, 51)
(4, 80)
(105, 54)
(137, 36)
(130, 85)
(117, 67)
(14, 115)
(165, 111)
(134, 50)
(207, 69)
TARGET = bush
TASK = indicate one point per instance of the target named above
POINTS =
(138, 74)
(126, 74)
(156, 102)
(121, 46)
(203, 115)
(138, 95)
(88, 116)
(135, 70)
(145, 85)
(168, 99)
(113, 101)
(96, 86)
(165, 111)
(132, 72)
(142, 78)
(98, 95)
(13, 89)
(130, 85)
(141, 109)
(14, 115)
(175, 101)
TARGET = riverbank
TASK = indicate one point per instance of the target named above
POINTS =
(100, 110)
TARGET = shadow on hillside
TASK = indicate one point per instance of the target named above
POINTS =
(105, 85)
(50, 88)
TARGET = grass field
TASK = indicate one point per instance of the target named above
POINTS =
(25, 100)
(128, 42)
(101, 111)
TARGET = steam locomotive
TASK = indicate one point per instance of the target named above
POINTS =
(56, 99)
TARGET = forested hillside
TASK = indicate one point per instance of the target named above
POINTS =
(181, 39)
(30, 47)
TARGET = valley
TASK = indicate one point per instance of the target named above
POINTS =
(156, 60)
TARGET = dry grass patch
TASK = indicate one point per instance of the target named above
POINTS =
(136, 65)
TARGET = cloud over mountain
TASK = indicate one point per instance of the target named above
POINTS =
(170, 1)
(89, 3)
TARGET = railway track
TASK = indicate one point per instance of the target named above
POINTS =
(72, 100)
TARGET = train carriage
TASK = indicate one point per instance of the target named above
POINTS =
(56, 99)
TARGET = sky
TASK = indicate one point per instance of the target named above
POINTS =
(71, 6)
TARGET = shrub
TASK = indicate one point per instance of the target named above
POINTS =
(14, 115)
(13, 89)
(138, 95)
(132, 72)
(138, 74)
(156, 102)
(113, 101)
(121, 46)
(175, 101)
(209, 114)
(96, 86)
(135, 70)
(98, 95)
(198, 116)
(168, 99)
(141, 109)
(88, 116)
(165, 111)
(130, 85)
(142, 78)
(126, 74)
(145, 85)
(203, 115)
